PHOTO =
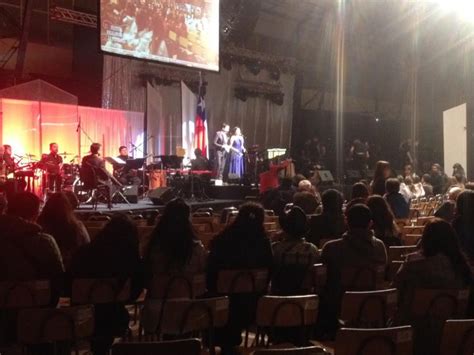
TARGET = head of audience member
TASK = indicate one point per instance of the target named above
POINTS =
(408, 170)
(24, 205)
(198, 152)
(54, 148)
(332, 202)
(465, 206)
(249, 221)
(359, 191)
(382, 170)
(382, 215)
(225, 128)
(123, 151)
(294, 223)
(306, 185)
(7, 149)
(454, 192)
(297, 179)
(173, 236)
(458, 169)
(426, 179)
(440, 238)
(120, 231)
(359, 217)
(436, 169)
(307, 201)
(392, 186)
(95, 148)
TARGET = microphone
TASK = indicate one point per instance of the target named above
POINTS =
(78, 126)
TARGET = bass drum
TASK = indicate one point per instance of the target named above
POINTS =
(83, 195)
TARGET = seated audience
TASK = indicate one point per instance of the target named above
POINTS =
(242, 245)
(384, 225)
(438, 179)
(381, 174)
(360, 191)
(464, 222)
(26, 253)
(357, 248)
(57, 219)
(400, 207)
(294, 255)
(427, 187)
(173, 245)
(112, 254)
(330, 223)
(307, 201)
(277, 199)
(447, 211)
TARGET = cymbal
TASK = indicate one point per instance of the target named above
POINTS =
(30, 155)
(65, 153)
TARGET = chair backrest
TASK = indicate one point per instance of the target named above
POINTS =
(45, 325)
(398, 253)
(313, 280)
(458, 337)
(392, 269)
(185, 316)
(368, 309)
(307, 350)
(166, 286)
(100, 291)
(88, 176)
(242, 281)
(363, 278)
(24, 294)
(287, 311)
(384, 341)
(184, 347)
(441, 304)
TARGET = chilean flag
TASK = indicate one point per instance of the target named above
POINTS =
(200, 126)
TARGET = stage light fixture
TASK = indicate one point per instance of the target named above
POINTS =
(464, 9)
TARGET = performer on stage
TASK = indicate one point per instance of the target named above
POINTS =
(237, 150)
(221, 148)
(122, 173)
(51, 163)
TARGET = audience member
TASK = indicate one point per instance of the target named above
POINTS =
(294, 255)
(400, 207)
(112, 254)
(173, 246)
(384, 225)
(307, 201)
(357, 248)
(242, 245)
(26, 253)
(427, 187)
(437, 179)
(464, 222)
(360, 191)
(447, 211)
(277, 199)
(381, 174)
(57, 219)
(330, 223)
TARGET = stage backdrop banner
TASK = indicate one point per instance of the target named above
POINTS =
(188, 114)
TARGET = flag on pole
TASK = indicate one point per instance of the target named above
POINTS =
(200, 124)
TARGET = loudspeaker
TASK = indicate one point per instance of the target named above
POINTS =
(325, 176)
(353, 174)
(161, 195)
(131, 193)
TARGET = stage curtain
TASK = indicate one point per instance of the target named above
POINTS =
(111, 128)
(19, 126)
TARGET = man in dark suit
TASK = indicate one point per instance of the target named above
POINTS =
(221, 146)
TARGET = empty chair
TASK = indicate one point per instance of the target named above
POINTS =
(458, 337)
(184, 347)
(307, 350)
(297, 312)
(368, 309)
(53, 325)
(384, 341)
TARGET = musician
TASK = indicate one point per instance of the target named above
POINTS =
(221, 148)
(122, 173)
(52, 163)
(8, 159)
(93, 172)
(201, 163)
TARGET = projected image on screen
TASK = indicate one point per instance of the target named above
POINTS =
(182, 32)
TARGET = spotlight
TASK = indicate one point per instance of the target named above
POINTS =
(463, 8)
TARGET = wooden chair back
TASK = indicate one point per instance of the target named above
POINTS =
(384, 341)
(458, 337)
(398, 253)
(363, 278)
(24, 294)
(242, 281)
(441, 304)
(368, 309)
(166, 286)
(315, 280)
(307, 350)
(184, 347)
(392, 269)
(100, 291)
(46, 325)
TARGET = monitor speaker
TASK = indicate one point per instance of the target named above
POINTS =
(131, 193)
(161, 195)
(325, 176)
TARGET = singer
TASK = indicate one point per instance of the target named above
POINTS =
(237, 151)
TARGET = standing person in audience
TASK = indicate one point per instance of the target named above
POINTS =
(381, 174)
(242, 245)
(292, 256)
(400, 207)
(427, 187)
(112, 254)
(57, 219)
(464, 222)
(357, 248)
(437, 179)
(384, 225)
(173, 245)
(330, 223)
(439, 264)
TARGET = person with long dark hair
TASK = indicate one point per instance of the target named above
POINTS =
(464, 222)
(174, 246)
(383, 221)
(381, 174)
(58, 220)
